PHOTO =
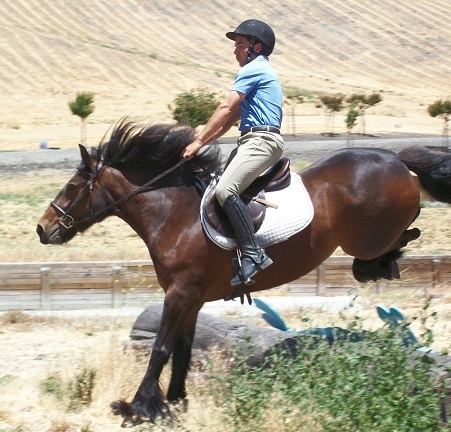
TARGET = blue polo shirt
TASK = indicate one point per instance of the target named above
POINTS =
(263, 102)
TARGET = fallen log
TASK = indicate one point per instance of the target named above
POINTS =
(214, 332)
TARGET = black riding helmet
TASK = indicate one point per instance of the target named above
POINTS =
(256, 31)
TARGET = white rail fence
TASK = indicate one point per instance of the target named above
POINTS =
(114, 284)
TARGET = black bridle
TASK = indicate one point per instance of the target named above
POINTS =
(67, 221)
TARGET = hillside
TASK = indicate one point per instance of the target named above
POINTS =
(136, 55)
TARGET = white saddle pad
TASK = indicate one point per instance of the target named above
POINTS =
(293, 213)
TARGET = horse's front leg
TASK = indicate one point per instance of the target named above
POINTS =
(181, 359)
(149, 401)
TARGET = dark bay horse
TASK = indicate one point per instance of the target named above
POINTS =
(364, 200)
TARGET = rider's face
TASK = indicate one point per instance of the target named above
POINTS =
(241, 48)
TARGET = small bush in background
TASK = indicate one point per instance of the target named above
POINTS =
(195, 107)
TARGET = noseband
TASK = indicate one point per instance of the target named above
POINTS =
(67, 221)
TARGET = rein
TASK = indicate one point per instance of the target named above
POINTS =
(67, 221)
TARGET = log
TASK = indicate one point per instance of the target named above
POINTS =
(214, 332)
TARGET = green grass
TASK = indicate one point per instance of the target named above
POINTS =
(33, 195)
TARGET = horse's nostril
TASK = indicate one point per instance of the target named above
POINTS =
(41, 234)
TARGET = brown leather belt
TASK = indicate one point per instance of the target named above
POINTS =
(261, 129)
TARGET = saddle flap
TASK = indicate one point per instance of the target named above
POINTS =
(275, 178)
(217, 217)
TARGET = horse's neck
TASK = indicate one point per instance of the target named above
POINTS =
(162, 214)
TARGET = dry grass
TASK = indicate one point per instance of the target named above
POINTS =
(411, 302)
(40, 347)
(61, 348)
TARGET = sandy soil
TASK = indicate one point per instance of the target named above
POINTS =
(62, 344)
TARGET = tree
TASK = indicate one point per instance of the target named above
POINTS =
(351, 120)
(331, 105)
(442, 109)
(293, 97)
(362, 103)
(194, 107)
(82, 107)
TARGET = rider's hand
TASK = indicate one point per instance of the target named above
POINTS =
(192, 149)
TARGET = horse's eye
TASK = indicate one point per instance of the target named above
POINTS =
(71, 187)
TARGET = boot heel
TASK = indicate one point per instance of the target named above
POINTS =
(265, 263)
(249, 281)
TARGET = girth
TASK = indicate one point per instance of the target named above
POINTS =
(275, 178)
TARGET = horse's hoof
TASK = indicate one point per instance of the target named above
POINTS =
(122, 408)
(125, 410)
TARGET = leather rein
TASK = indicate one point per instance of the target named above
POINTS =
(67, 221)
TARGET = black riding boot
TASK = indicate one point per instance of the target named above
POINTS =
(253, 258)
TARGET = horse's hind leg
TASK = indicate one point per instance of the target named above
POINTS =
(376, 269)
(385, 266)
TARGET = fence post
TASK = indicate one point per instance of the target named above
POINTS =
(117, 286)
(320, 279)
(436, 273)
(45, 288)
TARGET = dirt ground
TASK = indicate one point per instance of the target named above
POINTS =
(44, 346)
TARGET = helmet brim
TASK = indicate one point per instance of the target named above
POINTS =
(232, 35)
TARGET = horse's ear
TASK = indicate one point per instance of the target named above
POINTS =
(85, 157)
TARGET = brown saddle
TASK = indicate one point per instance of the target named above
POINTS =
(276, 178)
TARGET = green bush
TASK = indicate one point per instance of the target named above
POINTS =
(194, 108)
(374, 384)
(76, 393)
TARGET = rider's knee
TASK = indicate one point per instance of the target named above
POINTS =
(222, 193)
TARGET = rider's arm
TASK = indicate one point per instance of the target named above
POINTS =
(224, 117)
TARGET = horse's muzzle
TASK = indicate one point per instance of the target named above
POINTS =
(55, 237)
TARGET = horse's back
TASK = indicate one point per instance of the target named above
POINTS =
(371, 158)
(361, 170)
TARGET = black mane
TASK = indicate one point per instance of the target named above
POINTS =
(153, 149)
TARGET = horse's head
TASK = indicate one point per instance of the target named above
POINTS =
(73, 209)
(146, 154)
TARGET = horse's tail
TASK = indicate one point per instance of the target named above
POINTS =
(433, 169)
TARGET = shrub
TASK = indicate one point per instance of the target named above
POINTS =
(194, 108)
(351, 119)
(374, 384)
(82, 106)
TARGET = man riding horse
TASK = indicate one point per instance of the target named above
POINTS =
(256, 100)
